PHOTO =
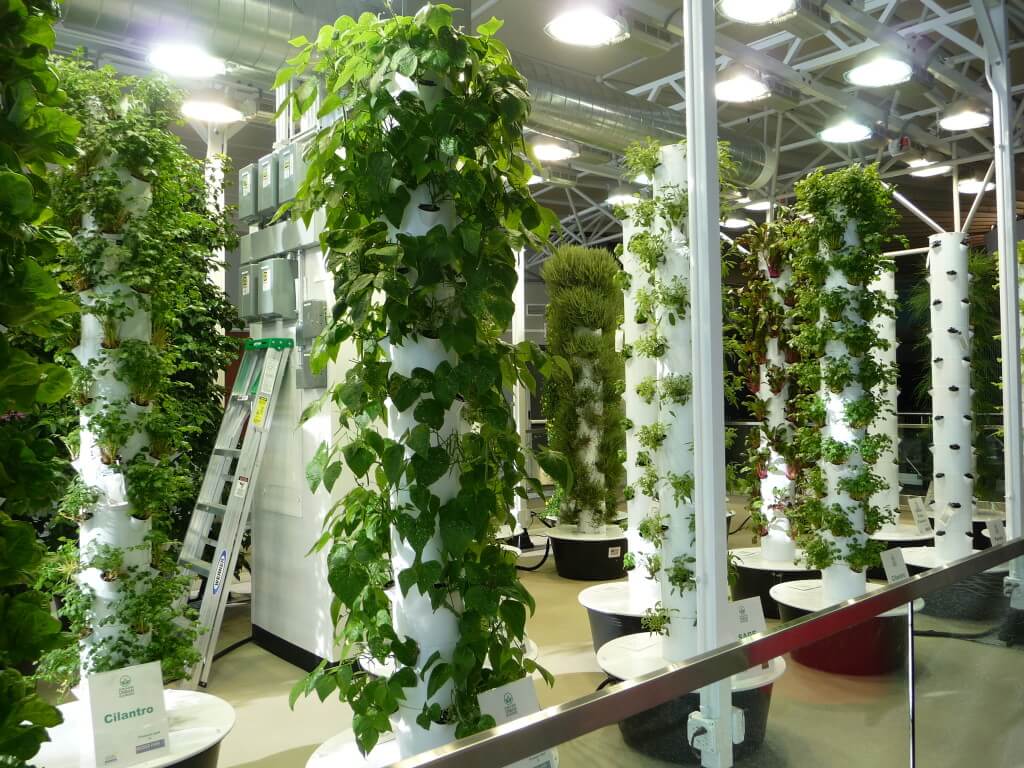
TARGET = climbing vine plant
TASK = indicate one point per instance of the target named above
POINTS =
(437, 113)
(144, 364)
(34, 132)
(850, 217)
(585, 411)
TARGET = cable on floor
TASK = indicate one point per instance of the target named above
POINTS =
(544, 559)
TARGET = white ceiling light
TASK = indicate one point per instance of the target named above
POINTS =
(587, 26)
(211, 111)
(741, 85)
(756, 11)
(185, 60)
(878, 71)
(845, 131)
(548, 150)
(964, 116)
(759, 205)
(735, 223)
(927, 166)
(623, 195)
(973, 186)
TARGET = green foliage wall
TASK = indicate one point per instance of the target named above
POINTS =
(157, 260)
(34, 131)
(584, 306)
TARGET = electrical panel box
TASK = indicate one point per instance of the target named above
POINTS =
(266, 193)
(312, 321)
(291, 170)
(304, 376)
(247, 193)
(248, 292)
(277, 289)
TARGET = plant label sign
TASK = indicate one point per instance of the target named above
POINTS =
(895, 567)
(996, 532)
(129, 723)
(513, 701)
(747, 619)
(920, 513)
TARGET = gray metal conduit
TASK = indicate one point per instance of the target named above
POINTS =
(255, 34)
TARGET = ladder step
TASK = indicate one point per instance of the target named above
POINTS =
(200, 567)
(228, 451)
(206, 506)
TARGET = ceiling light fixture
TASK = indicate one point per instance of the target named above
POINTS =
(879, 70)
(587, 26)
(735, 223)
(974, 186)
(186, 61)
(756, 11)
(845, 131)
(964, 116)
(738, 84)
(211, 111)
(623, 195)
(759, 205)
(548, 150)
(927, 166)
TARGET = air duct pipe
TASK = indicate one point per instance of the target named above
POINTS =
(255, 34)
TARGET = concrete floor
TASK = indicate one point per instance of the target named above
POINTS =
(969, 707)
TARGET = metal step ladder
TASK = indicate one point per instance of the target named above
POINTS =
(221, 514)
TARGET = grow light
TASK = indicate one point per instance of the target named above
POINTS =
(974, 186)
(879, 71)
(846, 131)
(209, 111)
(186, 61)
(756, 11)
(552, 151)
(735, 223)
(587, 27)
(964, 116)
(927, 167)
(622, 195)
(741, 85)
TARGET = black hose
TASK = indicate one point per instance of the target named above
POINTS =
(547, 551)
(232, 647)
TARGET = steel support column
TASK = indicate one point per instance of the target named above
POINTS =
(993, 25)
(708, 395)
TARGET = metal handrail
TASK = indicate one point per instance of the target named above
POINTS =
(556, 725)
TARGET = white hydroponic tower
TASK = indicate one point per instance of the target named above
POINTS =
(952, 417)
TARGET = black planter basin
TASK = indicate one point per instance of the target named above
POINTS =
(755, 577)
(588, 557)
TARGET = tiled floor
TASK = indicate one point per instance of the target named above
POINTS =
(970, 709)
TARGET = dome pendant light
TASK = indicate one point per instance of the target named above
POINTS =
(738, 84)
(964, 116)
(756, 11)
(879, 70)
(845, 131)
(587, 25)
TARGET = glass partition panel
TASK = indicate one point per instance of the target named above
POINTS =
(969, 672)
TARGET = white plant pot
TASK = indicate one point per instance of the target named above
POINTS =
(412, 739)
(840, 583)
(778, 547)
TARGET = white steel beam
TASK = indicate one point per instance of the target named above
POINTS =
(708, 395)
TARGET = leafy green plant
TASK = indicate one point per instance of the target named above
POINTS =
(434, 110)
(677, 389)
(652, 344)
(137, 247)
(828, 529)
(582, 315)
(657, 619)
(34, 132)
(647, 389)
(652, 436)
(680, 574)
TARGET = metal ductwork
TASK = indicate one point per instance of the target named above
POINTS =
(255, 34)
(569, 105)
